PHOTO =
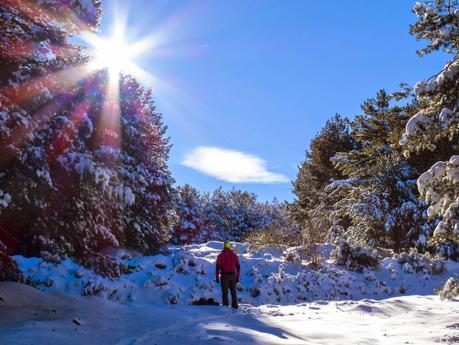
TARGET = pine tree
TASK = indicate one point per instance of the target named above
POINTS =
(312, 206)
(233, 213)
(150, 217)
(194, 225)
(378, 195)
(38, 73)
(81, 171)
(436, 125)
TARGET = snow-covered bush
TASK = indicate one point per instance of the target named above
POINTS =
(293, 255)
(107, 266)
(450, 290)
(8, 268)
(354, 258)
(310, 253)
(421, 262)
(266, 278)
(314, 256)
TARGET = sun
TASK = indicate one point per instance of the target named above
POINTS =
(116, 54)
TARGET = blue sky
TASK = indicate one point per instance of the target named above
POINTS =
(245, 85)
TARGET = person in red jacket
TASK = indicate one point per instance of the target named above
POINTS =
(230, 270)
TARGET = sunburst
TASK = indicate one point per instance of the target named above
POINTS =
(116, 54)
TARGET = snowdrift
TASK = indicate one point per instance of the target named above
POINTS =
(29, 316)
(186, 276)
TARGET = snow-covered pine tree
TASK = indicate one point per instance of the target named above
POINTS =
(378, 195)
(81, 171)
(436, 125)
(312, 207)
(278, 227)
(38, 73)
(194, 225)
(228, 215)
(231, 212)
(146, 180)
(235, 214)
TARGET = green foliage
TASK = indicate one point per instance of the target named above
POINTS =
(81, 171)
(438, 22)
(275, 234)
(379, 195)
(194, 223)
(366, 191)
(8, 268)
(435, 127)
(450, 290)
(354, 258)
(311, 208)
(233, 215)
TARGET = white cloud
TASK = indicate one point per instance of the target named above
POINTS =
(231, 166)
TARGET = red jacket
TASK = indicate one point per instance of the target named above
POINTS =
(227, 262)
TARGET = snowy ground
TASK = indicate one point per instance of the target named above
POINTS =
(281, 302)
(28, 316)
(186, 275)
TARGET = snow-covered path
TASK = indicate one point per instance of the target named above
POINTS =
(28, 316)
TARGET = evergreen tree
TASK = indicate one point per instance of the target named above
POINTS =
(312, 206)
(83, 168)
(436, 125)
(279, 226)
(194, 225)
(378, 195)
(234, 213)
(38, 70)
(228, 215)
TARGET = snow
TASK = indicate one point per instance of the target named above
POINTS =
(129, 197)
(5, 199)
(413, 122)
(430, 186)
(30, 316)
(186, 275)
(448, 73)
(280, 302)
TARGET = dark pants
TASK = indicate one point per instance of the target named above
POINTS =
(229, 281)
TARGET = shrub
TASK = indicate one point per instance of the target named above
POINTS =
(450, 290)
(292, 255)
(421, 262)
(309, 253)
(9, 269)
(354, 258)
(107, 266)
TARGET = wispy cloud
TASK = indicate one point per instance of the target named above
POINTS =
(231, 166)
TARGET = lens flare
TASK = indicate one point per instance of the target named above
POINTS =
(116, 54)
